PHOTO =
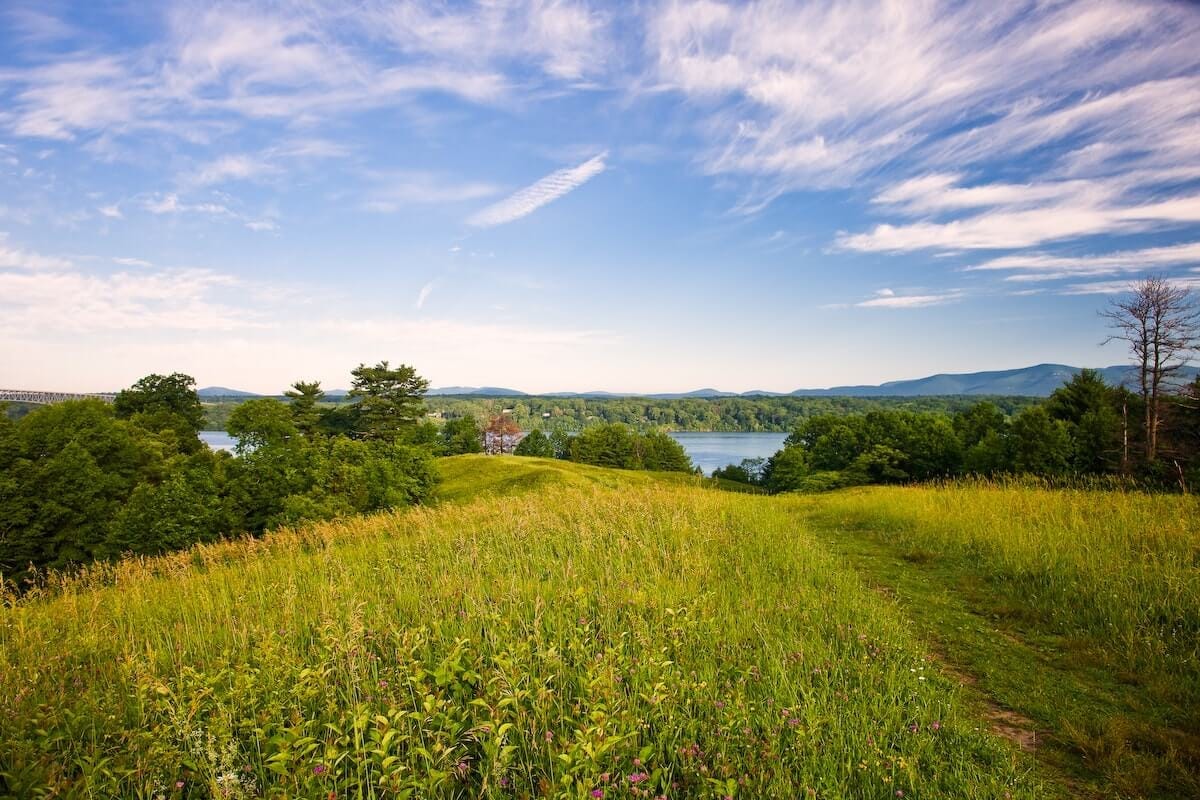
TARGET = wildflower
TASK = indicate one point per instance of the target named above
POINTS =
(937, 726)
(638, 777)
(549, 736)
(605, 777)
(504, 782)
(914, 728)
(178, 784)
(899, 793)
(597, 793)
(637, 762)
(319, 769)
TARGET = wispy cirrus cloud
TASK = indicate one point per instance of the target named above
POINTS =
(424, 293)
(1037, 266)
(399, 189)
(804, 95)
(301, 62)
(1121, 286)
(1012, 228)
(532, 197)
(887, 298)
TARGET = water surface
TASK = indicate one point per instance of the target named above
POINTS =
(710, 451)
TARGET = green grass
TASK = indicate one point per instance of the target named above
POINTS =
(548, 629)
(471, 476)
(1079, 610)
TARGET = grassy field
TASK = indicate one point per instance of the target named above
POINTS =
(548, 629)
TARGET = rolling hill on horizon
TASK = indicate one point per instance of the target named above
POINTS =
(1035, 381)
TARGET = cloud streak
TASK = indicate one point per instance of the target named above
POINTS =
(550, 188)
(887, 298)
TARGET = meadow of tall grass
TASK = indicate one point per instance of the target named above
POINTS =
(1079, 608)
(557, 630)
(579, 641)
(1121, 568)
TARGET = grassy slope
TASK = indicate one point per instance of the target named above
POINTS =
(549, 623)
(657, 639)
(1080, 611)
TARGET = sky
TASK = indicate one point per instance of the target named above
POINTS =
(555, 195)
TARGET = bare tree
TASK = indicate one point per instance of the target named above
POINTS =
(1161, 324)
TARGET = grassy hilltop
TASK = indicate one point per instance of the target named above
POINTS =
(551, 629)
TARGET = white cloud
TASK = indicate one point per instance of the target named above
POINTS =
(534, 196)
(132, 262)
(260, 225)
(231, 167)
(1010, 229)
(940, 192)
(111, 211)
(1118, 287)
(397, 190)
(564, 39)
(13, 258)
(808, 94)
(1044, 266)
(423, 295)
(48, 302)
(887, 298)
(302, 61)
(169, 204)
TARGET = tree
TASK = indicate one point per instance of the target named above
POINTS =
(658, 452)
(787, 470)
(535, 444)
(462, 435)
(500, 435)
(976, 422)
(1161, 324)
(390, 400)
(1089, 407)
(1040, 445)
(261, 422)
(304, 396)
(561, 441)
(608, 445)
(165, 403)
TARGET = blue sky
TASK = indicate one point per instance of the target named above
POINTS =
(571, 196)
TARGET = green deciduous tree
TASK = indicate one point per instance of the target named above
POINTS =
(535, 444)
(165, 403)
(461, 435)
(261, 422)
(1041, 445)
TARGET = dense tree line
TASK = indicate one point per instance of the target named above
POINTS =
(85, 480)
(606, 445)
(1085, 428)
(768, 414)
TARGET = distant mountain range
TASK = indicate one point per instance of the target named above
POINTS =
(1036, 381)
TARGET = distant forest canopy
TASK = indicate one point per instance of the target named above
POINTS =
(747, 414)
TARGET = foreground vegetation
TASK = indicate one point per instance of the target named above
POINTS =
(553, 629)
(578, 644)
(1076, 613)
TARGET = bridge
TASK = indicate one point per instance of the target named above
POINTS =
(45, 398)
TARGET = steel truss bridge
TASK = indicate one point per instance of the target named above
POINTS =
(45, 398)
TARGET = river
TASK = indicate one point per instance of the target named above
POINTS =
(707, 450)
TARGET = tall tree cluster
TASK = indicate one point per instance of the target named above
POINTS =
(85, 480)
